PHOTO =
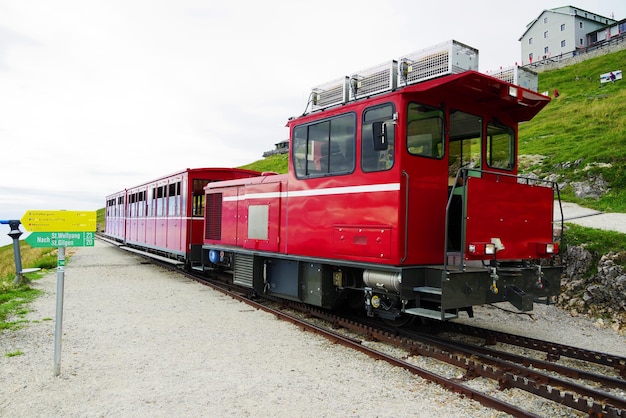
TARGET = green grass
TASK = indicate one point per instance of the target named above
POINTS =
(14, 299)
(595, 240)
(14, 353)
(585, 126)
(13, 303)
(276, 163)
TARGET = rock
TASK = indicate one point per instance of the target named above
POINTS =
(602, 295)
(594, 188)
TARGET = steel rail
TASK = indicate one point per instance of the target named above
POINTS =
(553, 350)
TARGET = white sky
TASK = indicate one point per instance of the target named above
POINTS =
(97, 96)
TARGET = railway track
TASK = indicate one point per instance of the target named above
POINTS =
(572, 387)
(575, 387)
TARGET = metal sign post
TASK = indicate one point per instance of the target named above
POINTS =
(58, 329)
(78, 231)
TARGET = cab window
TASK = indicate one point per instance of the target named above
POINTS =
(378, 138)
(465, 140)
(500, 147)
(424, 135)
(325, 147)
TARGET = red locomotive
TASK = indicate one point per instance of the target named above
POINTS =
(166, 216)
(402, 196)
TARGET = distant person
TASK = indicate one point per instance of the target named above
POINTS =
(556, 93)
(612, 77)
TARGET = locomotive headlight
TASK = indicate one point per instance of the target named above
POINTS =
(472, 248)
(490, 249)
(545, 248)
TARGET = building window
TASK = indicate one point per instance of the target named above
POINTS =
(545, 34)
(545, 50)
(562, 44)
(530, 41)
(545, 20)
(581, 41)
(530, 57)
(580, 24)
(562, 27)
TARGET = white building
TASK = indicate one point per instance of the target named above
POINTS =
(558, 32)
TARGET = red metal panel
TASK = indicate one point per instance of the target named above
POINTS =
(265, 196)
(230, 216)
(427, 183)
(161, 232)
(520, 215)
(317, 207)
(174, 225)
(362, 241)
(141, 229)
(151, 225)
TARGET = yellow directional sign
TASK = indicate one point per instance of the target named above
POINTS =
(59, 220)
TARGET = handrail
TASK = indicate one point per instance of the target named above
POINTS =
(406, 219)
(445, 239)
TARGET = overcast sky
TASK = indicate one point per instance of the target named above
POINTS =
(97, 96)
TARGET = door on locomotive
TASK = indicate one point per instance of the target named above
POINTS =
(464, 154)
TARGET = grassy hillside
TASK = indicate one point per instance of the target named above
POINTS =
(276, 163)
(582, 133)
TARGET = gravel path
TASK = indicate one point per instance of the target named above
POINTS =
(143, 342)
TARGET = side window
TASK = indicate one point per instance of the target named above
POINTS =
(424, 131)
(198, 197)
(325, 147)
(161, 196)
(380, 156)
(465, 140)
(500, 147)
(173, 199)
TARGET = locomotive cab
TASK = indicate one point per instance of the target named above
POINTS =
(402, 196)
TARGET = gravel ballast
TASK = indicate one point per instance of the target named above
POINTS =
(142, 341)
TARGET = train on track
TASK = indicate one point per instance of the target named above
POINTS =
(402, 198)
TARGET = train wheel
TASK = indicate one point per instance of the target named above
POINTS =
(401, 321)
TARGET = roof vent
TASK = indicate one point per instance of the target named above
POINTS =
(330, 94)
(374, 80)
(450, 57)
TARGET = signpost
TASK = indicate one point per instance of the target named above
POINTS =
(59, 220)
(60, 239)
(59, 228)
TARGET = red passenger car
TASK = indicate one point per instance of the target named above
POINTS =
(402, 195)
(165, 216)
